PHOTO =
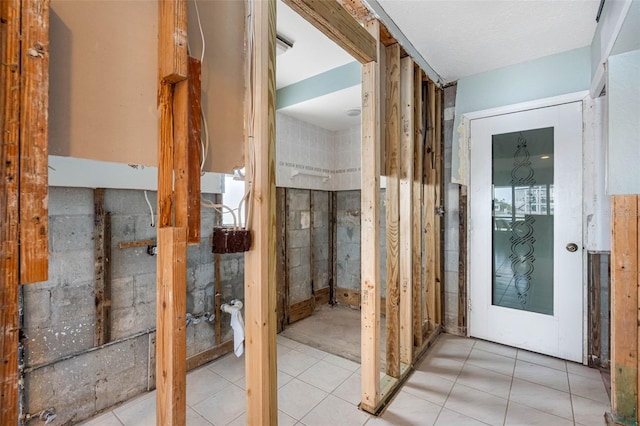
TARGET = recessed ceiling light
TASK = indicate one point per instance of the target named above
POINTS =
(544, 157)
(353, 112)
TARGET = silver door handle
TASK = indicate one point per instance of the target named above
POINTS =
(572, 247)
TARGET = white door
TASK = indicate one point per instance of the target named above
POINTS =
(525, 200)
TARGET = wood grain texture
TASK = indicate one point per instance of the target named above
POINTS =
(301, 310)
(417, 207)
(218, 300)
(336, 23)
(260, 261)
(172, 40)
(593, 314)
(34, 142)
(348, 297)
(392, 211)
(624, 307)
(430, 235)
(370, 231)
(171, 336)
(9, 219)
(281, 257)
(102, 258)
(438, 228)
(407, 134)
(165, 155)
(209, 355)
(194, 152)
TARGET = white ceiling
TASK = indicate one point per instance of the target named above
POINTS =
(457, 38)
(466, 37)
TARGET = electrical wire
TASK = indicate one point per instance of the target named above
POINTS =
(204, 46)
(219, 208)
(146, 197)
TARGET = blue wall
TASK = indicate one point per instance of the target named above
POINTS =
(553, 75)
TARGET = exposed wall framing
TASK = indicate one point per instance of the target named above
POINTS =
(625, 277)
(24, 79)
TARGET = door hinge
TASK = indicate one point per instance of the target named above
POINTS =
(470, 306)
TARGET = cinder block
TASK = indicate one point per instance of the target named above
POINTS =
(70, 201)
(37, 302)
(122, 293)
(451, 261)
(144, 288)
(298, 199)
(298, 238)
(450, 96)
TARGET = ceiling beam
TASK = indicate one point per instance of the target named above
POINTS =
(336, 23)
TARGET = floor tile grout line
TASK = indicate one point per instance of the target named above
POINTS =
(513, 374)
(573, 414)
(454, 383)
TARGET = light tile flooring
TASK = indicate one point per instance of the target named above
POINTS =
(461, 382)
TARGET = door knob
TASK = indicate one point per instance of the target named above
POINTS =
(572, 247)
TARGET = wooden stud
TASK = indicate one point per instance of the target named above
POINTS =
(429, 210)
(34, 159)
(336, 23)
(260, 261)
(186, 152)
(594, 265)
(9, 220)
(172, 40)
(392, 211)
(370, 231)
(462, 260)
(438, 229)
(102, 256)
(218, 300)
(312, 260)
(417, 208)
(406, 213)
(281, 257)
(165, 155)
(333, 250)
(624, 307)
(171, 337)
(194, 153)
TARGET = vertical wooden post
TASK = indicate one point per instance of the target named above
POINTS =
(406, 214)
(438, 235)
(34, 160)
(462, 260)
(171, 337)
(9, 220)
(624, 307)
(417, 208)
(370, 223)
(431, 237)
(102, 255)
(172, 242)
(392, 212)
(260, 261)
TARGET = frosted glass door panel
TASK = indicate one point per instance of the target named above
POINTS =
(522, 220)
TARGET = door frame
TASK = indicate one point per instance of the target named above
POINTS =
(465, 152)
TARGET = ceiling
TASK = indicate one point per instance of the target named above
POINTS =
(457, 38)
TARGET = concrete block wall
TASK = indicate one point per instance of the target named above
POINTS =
(320, 236)
(64, 370)
(298, 243)
(451, 220)
(348, 241)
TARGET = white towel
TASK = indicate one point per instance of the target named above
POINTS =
(238, 331)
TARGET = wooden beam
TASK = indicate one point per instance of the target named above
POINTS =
(102, 256)
(282, 271)
(209, 355)
(357, 10)
(172, 40)
(171, 336)
(370, 231)
(336, 23)
(417, 207)
(624, 307)
(406, 213)
(392, 211)
(34, 133)
(9, 219)
(260, 261)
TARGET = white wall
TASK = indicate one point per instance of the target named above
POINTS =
(312, 150)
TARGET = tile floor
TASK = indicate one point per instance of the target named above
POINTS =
(461, 382)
